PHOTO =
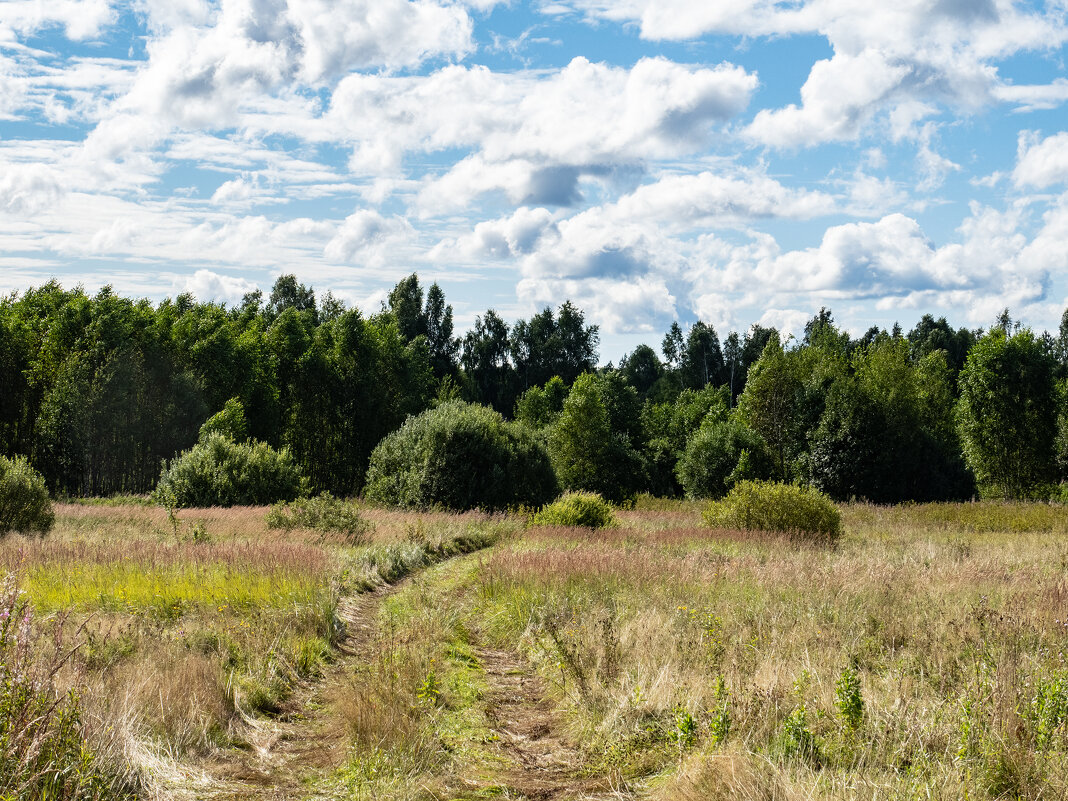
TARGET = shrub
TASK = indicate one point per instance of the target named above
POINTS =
(768, 506)
(708, 467)
(24, 503)
(460, 456)
(577, 509)
(221, 472)
(323, 513)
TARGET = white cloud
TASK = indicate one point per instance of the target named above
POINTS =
(1041, 162)
(642, 304)
(838, 99)
(884, 53)
(207, 286)
(237, 190)
(585, 115)
(1034, 97)
(369, 238)
(80, 19)
(28, 188)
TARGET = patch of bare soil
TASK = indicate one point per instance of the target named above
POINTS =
(546, 765)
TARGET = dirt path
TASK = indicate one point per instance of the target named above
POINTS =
(285, 755)
(546, 765)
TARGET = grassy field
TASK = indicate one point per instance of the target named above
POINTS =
(921, 657)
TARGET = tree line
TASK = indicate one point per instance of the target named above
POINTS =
(100, 391)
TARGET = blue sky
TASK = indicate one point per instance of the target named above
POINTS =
(736, 161)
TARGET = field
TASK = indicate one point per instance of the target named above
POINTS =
(478, 657)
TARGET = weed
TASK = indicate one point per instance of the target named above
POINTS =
(685, 731)
(798, 739)
(848, 698)
(719, 725)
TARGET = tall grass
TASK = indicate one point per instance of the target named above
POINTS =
(727, 660)
(45, 750)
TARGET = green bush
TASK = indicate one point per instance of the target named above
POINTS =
(767, 506)
(24, 503)
(323, 513)
(221, 472)
(709, 466)
(577, 509)
(460, 456)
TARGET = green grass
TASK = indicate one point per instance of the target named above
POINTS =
(170, 593)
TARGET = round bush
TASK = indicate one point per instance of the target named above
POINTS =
(460, 456)
(709, 466)
(768, 506)
(221, 472)
(577, 509)
(24, 503)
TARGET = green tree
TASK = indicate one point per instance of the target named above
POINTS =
(441, 344)
(673, 345)
(642, 369)
(406, 306)
(539, 407)
(773, 404)
(587, 453)
(24, 503)
(288, 293)
(486, 363)
(229, 421)
(702, 358)
(1007, 413)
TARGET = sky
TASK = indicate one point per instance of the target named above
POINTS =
(735, 161)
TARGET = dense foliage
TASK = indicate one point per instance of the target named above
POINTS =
(770, 506)
(461, 456)
(720, 455)
(24, 503)
(592, 441)
(220, 472)
(100, 391)
(585, 509)
(1008, 414)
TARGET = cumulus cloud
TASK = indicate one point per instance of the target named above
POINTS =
(207, 286)
(28, 188)
(884, 53)
(585, 115)
(641, 304)
(369, 238)
(1041, 163)
(80, 19)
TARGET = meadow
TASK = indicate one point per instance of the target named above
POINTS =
(922, 656)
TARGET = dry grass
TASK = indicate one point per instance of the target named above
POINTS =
(188, 635)
(958, 635)
(692, 663)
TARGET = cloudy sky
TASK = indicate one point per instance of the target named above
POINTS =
(653, 160)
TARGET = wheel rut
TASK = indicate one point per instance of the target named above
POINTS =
(545, 764)
(284, 756)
